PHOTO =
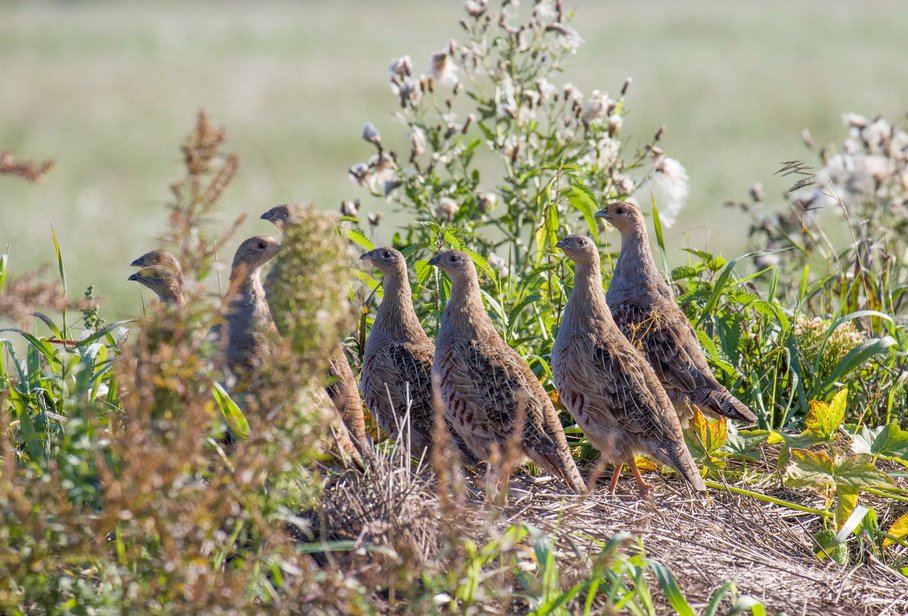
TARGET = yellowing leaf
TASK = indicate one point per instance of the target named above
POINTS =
(824, 418)
(809, 469)
(644, 465)
(704, 438)
(712, 432)
(846, 501)
(816, 470)
(775, 437)
(899, 530)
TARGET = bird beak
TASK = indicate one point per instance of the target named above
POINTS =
(365, 257)
(434, 260)
(561, 244)
(140, 262)
(603, 213)
(134, 277)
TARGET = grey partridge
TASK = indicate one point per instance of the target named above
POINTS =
(644, 308)
(248, 319)
(489, 394)
(397, 363)
(161, 272)
(607, 385)
(342, 387)
(164, 284)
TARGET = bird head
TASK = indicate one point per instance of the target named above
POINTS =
(255, 252)
(159, 258)
(622, 215)
(280, 215)
(387, 260)
(579, 248)
(456, 264)
(162, 281)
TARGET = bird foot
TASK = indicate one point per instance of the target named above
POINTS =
(644, 487)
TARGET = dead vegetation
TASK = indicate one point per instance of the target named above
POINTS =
(393, 518)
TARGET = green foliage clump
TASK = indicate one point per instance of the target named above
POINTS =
(308, 288)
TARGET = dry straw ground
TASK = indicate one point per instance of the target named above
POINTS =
(765, 549)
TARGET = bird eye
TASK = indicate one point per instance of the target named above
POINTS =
(386, 254)
(619, 210)
(262, 245)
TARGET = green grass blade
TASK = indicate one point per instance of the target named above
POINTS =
(672, 590)
(660, 240)
(4, 259)
(728, 588)
(62, 270)
(101, 333)
(50, 324)
(855, 357)
(718, 288)
(234, 417)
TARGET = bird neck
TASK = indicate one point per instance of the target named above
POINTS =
(244, 281)
(464, 312)
(172, 295)
(587, 298)
(395, 315)
(635, 266)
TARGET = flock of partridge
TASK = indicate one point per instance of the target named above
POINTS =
(627, 364)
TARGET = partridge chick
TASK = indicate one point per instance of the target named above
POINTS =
(486, 387)
(607, 385)
(342, 387)
(397, 363)
(644, 308)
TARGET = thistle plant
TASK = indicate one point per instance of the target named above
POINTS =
(504, 157)
(844, 220)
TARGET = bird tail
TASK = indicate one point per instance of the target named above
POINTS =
(562, 464)
(678, 457)
(723, 403)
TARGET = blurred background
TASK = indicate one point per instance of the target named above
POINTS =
(109, 90)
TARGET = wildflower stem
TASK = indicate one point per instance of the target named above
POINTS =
(769, 499)
(886, 494)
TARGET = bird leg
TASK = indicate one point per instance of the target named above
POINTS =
(614, 482)
(644, 487)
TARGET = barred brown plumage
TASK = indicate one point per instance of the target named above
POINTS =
(397, 363)
(644, 308)
(486, 388)
(607, 385)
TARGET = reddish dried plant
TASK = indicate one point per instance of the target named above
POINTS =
(209, 171)
(25, 169)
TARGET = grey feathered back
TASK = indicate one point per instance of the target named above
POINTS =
(644, 308)
(397, 363)
(489, 394)
(606, 384)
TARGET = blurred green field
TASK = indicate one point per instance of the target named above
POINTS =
(109, 89)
